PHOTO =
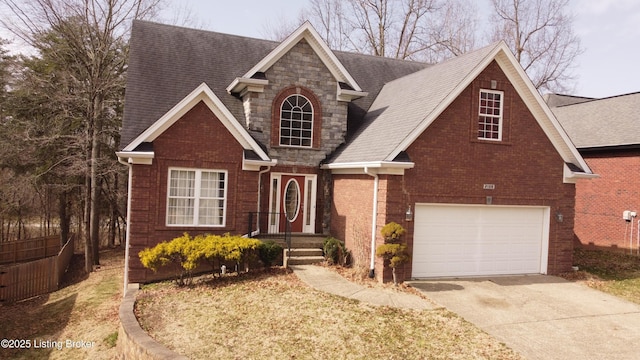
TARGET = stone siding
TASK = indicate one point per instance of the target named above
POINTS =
(300, 67)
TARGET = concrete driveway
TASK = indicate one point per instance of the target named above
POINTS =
(543, 317)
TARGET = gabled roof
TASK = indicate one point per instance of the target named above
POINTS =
(407, 106)
(308, 33)
(166, 63)
(201, 94)
(607, 122)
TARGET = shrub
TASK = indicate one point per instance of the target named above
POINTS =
(182, 251)
(391, 250)
(335, 253)
(187, 253)
(268, 252)
(392, 232)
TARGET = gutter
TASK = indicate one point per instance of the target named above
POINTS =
(374, 220)
(128, 163)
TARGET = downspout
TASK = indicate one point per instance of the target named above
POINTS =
(128, 231)
(259, 197)
(374, 221)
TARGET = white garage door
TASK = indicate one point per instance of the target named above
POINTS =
(469, 240)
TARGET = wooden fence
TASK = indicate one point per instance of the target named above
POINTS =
(22, 281)
(12, 252)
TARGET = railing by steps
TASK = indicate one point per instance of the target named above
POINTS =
(270, 223)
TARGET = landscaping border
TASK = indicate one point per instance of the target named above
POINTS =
(133, 341)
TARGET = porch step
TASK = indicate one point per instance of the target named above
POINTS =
(298, 241)
(304, 260)
(299, 252)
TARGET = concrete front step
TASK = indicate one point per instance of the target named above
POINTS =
(303, 252)
(297, 241)
(304, 260)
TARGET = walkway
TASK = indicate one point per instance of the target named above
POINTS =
(329, 281)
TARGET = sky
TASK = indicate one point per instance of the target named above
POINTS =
(608, 29)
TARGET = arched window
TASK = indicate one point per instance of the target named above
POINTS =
(296, 121)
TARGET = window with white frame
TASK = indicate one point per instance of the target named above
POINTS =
(490, 115)
(296, 122)
(196, 197)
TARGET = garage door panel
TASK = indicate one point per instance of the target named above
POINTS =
(477, 240)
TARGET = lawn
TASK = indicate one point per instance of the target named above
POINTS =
(84, 311)
(612, 272)
(274, 315)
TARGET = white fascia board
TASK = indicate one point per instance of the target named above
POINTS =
(571, 177)
(240, 84)
(378, 167)
(539, 108)
(136, 157)
(255, 165)
(205, 94)
(307, 32)
(430, 118)
(349, 95)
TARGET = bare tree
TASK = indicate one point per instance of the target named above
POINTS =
(95, 34)
(540, 34)
(423, 30)
(453, 30)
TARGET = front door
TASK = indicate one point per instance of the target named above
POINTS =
(293, 201)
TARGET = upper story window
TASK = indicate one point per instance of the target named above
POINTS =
(196, 197)
(296, 122)
(490, 115)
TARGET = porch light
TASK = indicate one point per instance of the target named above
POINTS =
(408, 216)
(559, 217)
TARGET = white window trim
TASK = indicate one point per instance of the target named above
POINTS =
(500, 117)
(313, 119)
(196, 205)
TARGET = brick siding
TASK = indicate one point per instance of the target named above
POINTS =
(600, 202)
(200, 141)
(451, 166)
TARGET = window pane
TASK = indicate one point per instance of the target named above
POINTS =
(191, 203)
(296, 113)
(490, 115)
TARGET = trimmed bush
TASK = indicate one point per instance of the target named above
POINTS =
(392, 232)
(182, 251)
(187, 253)
(335, 253)
(395, 253)
(268, 252)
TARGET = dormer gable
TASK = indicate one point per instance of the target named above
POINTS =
(347, 88)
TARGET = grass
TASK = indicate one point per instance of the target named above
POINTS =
(274, 315)
(612, 272)
(84, 309)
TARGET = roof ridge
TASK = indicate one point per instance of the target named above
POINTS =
(591, 100)
(155, 23)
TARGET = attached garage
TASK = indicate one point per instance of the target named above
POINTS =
(479, 240)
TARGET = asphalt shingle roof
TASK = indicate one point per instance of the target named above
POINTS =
(607, 122)
(403, 105)
(167, 62)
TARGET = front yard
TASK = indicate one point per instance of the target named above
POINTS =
(274, 315)
(614, 273)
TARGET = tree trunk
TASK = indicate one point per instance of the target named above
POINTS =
(395, 279)
(63, 213)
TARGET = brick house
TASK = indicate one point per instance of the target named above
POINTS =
(606, 132)
(231, 134)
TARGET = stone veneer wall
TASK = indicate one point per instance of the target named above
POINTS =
(298, 67)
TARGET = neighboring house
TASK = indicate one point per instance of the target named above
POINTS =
(465, 154)
(607, 134)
